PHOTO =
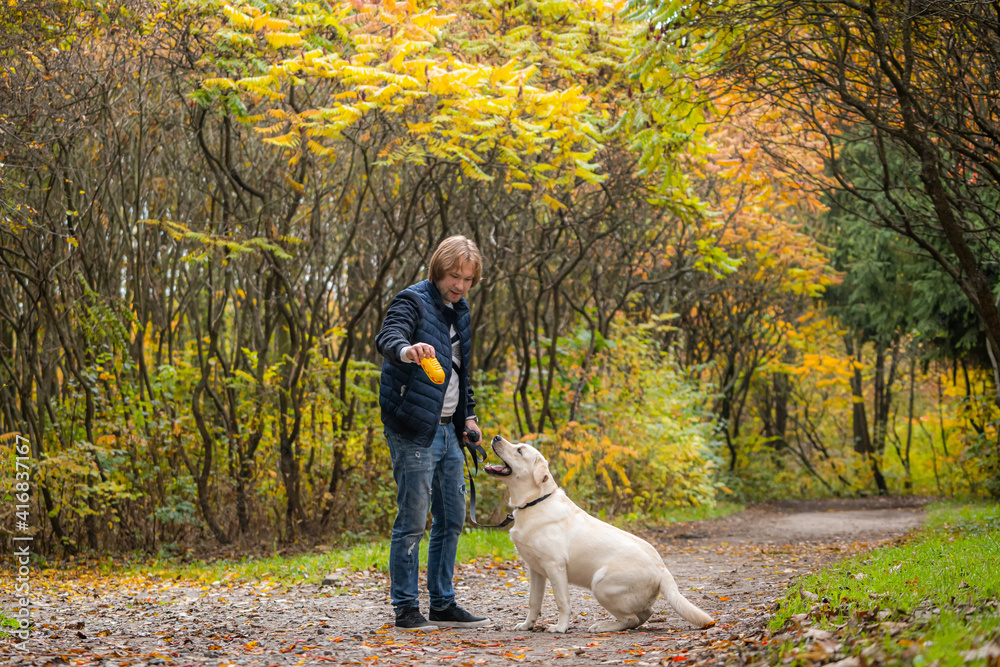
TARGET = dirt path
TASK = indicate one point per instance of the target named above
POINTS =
(733, 568)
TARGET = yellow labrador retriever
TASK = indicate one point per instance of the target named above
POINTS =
(565, 545)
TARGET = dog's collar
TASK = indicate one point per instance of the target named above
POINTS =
(510, 517)
(534, 502)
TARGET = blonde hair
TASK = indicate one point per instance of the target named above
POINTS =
(451, 253)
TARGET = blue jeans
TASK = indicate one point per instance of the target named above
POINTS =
(426, 478)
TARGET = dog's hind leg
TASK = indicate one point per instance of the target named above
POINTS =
(626, 622)
(628, 600)
(537, 590)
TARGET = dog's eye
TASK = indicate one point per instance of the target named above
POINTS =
(520, 451)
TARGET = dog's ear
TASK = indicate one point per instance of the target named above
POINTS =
(540, 470)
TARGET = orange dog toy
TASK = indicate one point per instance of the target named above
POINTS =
(433, 369)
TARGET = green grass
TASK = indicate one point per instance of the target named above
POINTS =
(6, 622)
(638, 522)
(312, 567)
(944, 584)
(685, 514)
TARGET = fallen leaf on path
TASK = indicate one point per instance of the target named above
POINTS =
(987, 652)
(852, 661)
(893, 627)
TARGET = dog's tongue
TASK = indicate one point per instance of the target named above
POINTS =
(500, 469)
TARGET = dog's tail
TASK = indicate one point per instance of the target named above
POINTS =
(680, 604)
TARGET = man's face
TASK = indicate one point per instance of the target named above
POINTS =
(456, 282)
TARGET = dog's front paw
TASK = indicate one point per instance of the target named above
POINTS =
(559, 627)
(527, 625)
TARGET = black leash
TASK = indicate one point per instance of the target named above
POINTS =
(478, 455)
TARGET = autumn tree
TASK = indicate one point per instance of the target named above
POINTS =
(915, 81)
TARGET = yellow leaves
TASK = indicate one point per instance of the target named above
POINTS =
(473, 171)
(481, 104)
(267, 23)
(288, 140)
(218, 82)
(824, 364)
(392, 154)
(815, 204)
(451, 82)
(731, 168)
(586, 175)
(236, 17)
(284, 39)
(309, 57)
(270, 129)
(519, 33)
(429, 19)
(553, 203)
(506, 74)
(261, 86)
(609, 463)
(454, 104)
(384, 95)
(319, 149)
(632, 458)
(420, 128)
(293, 184)
(359, 73)
(338, 118)
(759, 198)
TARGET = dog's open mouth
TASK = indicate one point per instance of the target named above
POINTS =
(499, 471)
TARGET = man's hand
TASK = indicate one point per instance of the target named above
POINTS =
(471, 425)
(419, 351)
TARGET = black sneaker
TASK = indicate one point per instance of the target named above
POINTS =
(410, 618)
(456, 617)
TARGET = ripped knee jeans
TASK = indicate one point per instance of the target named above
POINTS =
(426, 479)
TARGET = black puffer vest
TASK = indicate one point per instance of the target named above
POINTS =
(410, 402)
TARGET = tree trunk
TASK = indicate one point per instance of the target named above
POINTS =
(908, 483)
(862, 441)
(203, 476)
(883, 393)
(782, 391)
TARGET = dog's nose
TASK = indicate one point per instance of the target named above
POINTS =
(497, 438)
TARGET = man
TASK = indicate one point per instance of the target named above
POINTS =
(423, 422)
